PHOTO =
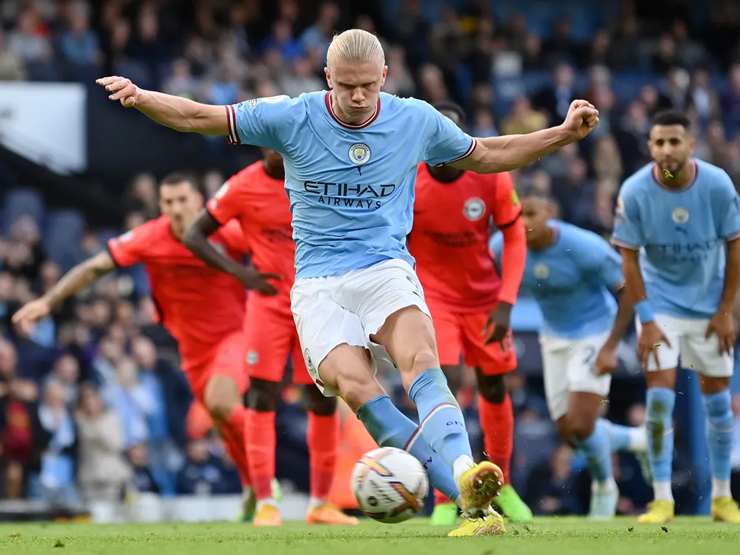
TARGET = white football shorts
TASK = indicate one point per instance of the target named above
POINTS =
(569, 366)
(687, 337)
(349, 308)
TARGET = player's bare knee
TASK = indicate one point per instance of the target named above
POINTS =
(319, 404)
(262, 395)
(357, 388)
(661, 378)
(221, 397)
(710, 386)
(581, 428)
(492, 388)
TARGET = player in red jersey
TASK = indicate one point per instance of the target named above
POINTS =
(256, 198)
(453, 213)
(203, 309)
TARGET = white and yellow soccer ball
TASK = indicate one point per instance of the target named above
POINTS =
(389, 485)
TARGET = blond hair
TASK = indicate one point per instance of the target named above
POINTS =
(355, 45)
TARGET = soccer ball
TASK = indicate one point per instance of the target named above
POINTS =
(390, 485)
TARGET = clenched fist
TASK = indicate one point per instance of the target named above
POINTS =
(121, 89)
(582, 118)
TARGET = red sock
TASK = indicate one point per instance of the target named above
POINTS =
(261, 451)
(323, 445)
(497, 423)
(233, 432)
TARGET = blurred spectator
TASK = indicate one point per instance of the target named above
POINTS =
(142, 196)
(24, 254)
(677, 89)
(551, 489)
(212, 182)
(411, 30)
(79, 44)
(555, 100)
(138, 458)
(102, 471)
(30, 38)
(574, 193)
(666, 56)
(11, 64)
(301, 80)
(57, 477)
(180, 81)
(631, 135)
(561, 47)
(316, 38)
(398, 80)
(282, 41)
(731, 104)
(624, 50)
(203, 473)
(522, 118)
(607, 160)
(703, 98)
(132, 402)
(66, 374)
(688, 51)
(21, 436)
(433, 88)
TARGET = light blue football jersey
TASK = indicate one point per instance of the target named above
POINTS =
(681, 236)
(571, 281)
(351, 188)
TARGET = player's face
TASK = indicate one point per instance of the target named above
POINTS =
(670, 147)
(181, 202)
(272, 158)
(355, 88)
(535, 214)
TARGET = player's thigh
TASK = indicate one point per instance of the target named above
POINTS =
(408, 337)
(667, 353)
(227, 378)
(702, 355)
(348, 370)
(268, 338)
(494, 359)
(316, 402)
(323, 325)
(555, 374)
(448, 334)
(389, 301)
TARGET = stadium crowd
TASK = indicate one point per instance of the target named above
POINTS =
(93, 405)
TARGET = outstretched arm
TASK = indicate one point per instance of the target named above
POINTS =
(174, 112)
(508, 152)
(196, 241)
(77, 279)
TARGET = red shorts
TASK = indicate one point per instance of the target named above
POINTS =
(460, 333)
(270, 337)
(227, 360)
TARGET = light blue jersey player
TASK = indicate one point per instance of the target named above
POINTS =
(678, 223)
(350, 160)
(573, 275)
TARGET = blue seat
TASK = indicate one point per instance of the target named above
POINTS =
(62, 235)
(21, 202)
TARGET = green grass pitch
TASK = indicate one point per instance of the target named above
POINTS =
(550, 536)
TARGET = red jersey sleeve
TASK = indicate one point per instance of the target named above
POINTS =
(506, 205)
(227, 203)
(234, 237)
(129, 248)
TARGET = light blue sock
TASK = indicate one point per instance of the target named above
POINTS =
(442, 422)
(620, 437)
(598, 453)
(390, 428)
(719, 433)
(660, 403)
